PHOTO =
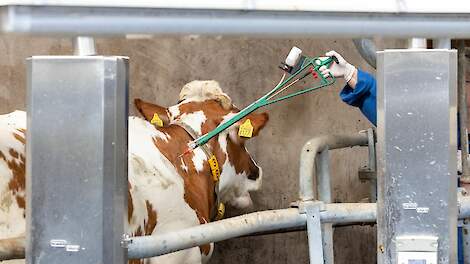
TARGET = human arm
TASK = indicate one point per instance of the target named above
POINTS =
(360, 89)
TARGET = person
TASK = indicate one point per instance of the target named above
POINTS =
(360, 89)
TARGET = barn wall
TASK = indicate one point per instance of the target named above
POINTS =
(245, 68)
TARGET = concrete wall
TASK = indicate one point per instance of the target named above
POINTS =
(245, 68)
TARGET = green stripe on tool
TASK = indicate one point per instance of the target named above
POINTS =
(313, 64)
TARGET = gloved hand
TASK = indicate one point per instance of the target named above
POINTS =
(342, 69)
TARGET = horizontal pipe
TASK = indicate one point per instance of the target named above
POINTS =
(149, 246)
(309, 153)
(367, 49)
(102, 21)
(258, 222)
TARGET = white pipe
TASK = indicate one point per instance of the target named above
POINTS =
(74, 20)
(367, 49)
(308, 157)
(149, 246)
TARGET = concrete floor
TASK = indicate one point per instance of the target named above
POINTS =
(245, 68)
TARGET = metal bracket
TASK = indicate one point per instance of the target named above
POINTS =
(126, 239)
(312, 209)
(369, 172)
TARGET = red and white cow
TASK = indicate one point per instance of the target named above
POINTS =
(166, 191)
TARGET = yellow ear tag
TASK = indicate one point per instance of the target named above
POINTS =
(156, 120)
(246, 129)
(214, 168)
(220, 211)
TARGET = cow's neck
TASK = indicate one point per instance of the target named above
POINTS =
(198, 184)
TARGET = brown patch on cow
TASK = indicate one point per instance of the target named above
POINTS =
(21, 202)
(135, 261)
(205, 249)
(152, 219)
(20, 138)
(13, 153)
(17, 182)
(198, 186)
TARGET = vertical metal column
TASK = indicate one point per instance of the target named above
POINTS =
(417, 134)
(77, 159)
(322, 170)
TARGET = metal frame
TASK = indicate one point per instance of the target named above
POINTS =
(84, 18)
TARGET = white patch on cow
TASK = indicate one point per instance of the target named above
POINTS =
(174, 111)
(199, 159)
(194, 120)
(12, 222)
(200, 91)
(233, 188)
(183, 165)
(256, 184)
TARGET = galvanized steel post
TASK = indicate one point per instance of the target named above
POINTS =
(77, 159)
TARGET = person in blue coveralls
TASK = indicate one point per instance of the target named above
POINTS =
(361, 91)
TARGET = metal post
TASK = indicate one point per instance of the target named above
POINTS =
(417, 43)
(441, 43)
(416, 146)
(314, 232)
(322, 170)
(77, 159)
(84, 46)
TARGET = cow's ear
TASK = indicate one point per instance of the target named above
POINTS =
(256, 121)
(148, 110)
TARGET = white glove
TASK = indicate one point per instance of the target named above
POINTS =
(342, 69)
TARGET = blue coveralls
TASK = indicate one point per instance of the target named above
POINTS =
(364, 96)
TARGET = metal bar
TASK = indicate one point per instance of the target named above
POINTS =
(367, 49)
(322, 170)
(384, 6)
(88, 21)
(462, 105)
(148, 246)
(314, 232)
(309, 153)
(259, 222)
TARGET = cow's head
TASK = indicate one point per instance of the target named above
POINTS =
(203, 106)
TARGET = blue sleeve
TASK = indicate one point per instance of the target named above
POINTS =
(363, 96)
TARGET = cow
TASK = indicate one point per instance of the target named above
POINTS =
(166, 190)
